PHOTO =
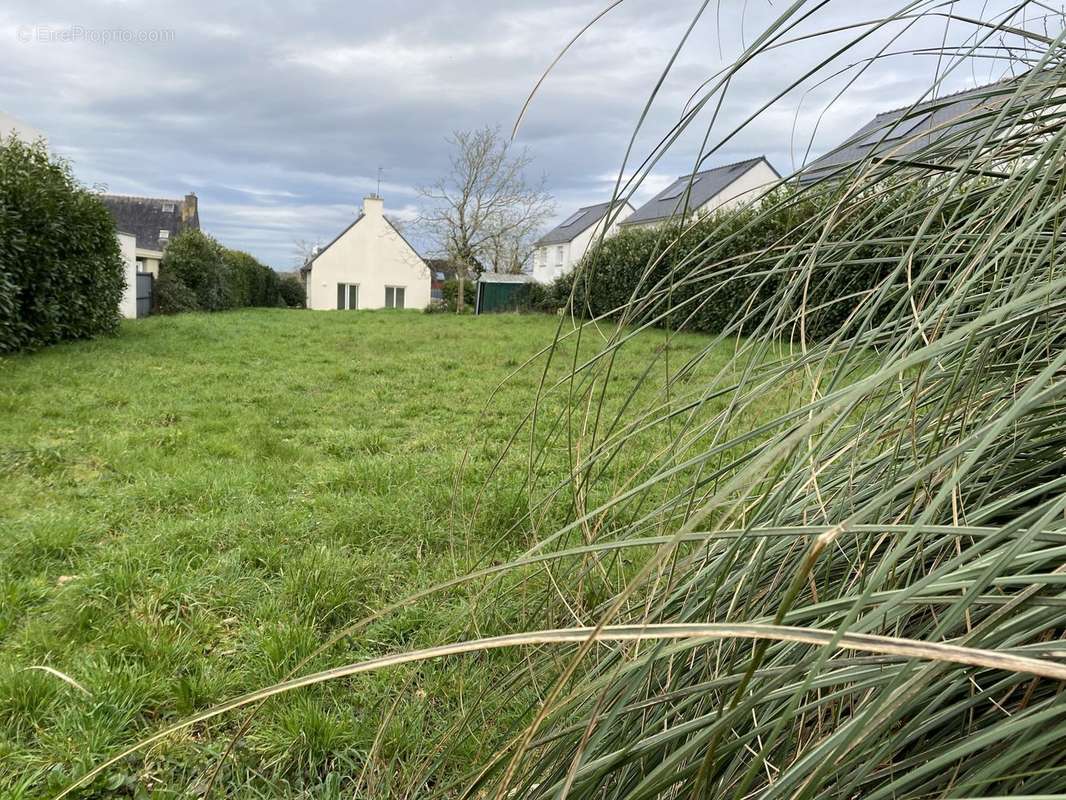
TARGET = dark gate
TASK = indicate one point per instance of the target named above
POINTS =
(145, 287)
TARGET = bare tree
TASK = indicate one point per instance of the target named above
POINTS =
(485, 211)
(304, 250)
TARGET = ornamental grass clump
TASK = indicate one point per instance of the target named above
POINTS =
(859, 597)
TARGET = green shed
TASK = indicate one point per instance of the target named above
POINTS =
(497, 292)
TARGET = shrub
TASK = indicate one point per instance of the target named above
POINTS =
(172, 296)
(450, 290)
(61, 272)
(253, 283)
(199, 262)
(292, 291)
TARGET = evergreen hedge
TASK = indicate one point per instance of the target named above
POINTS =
(702, 277)
(61, 271)
(197, 268)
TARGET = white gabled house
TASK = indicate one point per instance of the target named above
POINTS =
(702, 192)
(558, 251)
(369, 265)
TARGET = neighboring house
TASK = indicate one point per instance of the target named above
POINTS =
(154, 222)
(9, 126)
(369, 265)
(442, 270)
(558, 251)
(897, 133)
(127, 245)
(703, 192)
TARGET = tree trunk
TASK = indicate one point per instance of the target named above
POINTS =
(461, 296)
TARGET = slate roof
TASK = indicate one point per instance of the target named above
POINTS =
(704, 185)
(576, 224)
(145, 217)
(902, 131)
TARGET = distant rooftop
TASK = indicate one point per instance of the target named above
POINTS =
(147, 218)
(901, 131)
(576, 224)
(692, 191)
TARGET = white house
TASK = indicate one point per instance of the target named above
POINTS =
(9, 126)
(556, 252)
(369, 265)
(723, 187)
(127, 244)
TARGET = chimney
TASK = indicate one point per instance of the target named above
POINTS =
(373, 206)
(190, 215)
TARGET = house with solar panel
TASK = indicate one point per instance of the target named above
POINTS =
(558, 251)
(723, 187)
(894, 137)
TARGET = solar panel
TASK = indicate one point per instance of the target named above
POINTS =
(572, 218)
(892, 131)
(679, 188)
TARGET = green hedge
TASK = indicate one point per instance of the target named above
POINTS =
(197, 267)
(61, 271)
(704, 277)
(293, 292)
(450, 292)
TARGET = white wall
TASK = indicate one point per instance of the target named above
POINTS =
(127, 244)
(9, 125)
(373, 255)
(744, 189)
(547, 265)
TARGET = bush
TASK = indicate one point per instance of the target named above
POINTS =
(199, 262)
(61, 271)
(253, 283)
(292, 291)
(450, 291)
(700, 278)
(172, 296)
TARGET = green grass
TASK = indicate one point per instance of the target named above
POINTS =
(193, 506)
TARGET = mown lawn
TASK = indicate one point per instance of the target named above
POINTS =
(193, 506)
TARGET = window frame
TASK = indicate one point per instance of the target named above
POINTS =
(402, 296)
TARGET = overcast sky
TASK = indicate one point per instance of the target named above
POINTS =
(279, 114)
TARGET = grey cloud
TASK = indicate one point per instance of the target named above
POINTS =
(279, 118)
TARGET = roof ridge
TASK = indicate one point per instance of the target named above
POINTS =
(938, 98)
(723, 166)
(142, 197)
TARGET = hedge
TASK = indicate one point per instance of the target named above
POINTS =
(702, 278)
(61, 271)
(196, 267)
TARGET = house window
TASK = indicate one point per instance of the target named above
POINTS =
(436, 294)
(164, 235)
(168, 208)
(394, 296)
(559, 255)
(347, 296)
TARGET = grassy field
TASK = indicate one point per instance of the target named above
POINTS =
(195, 505)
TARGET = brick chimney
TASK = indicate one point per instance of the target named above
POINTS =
(373, 206)
(190, 214)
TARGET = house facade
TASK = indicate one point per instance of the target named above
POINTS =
(720, 188)
(558, 251)
(127, 245)
(369, 265)
(153, 221)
